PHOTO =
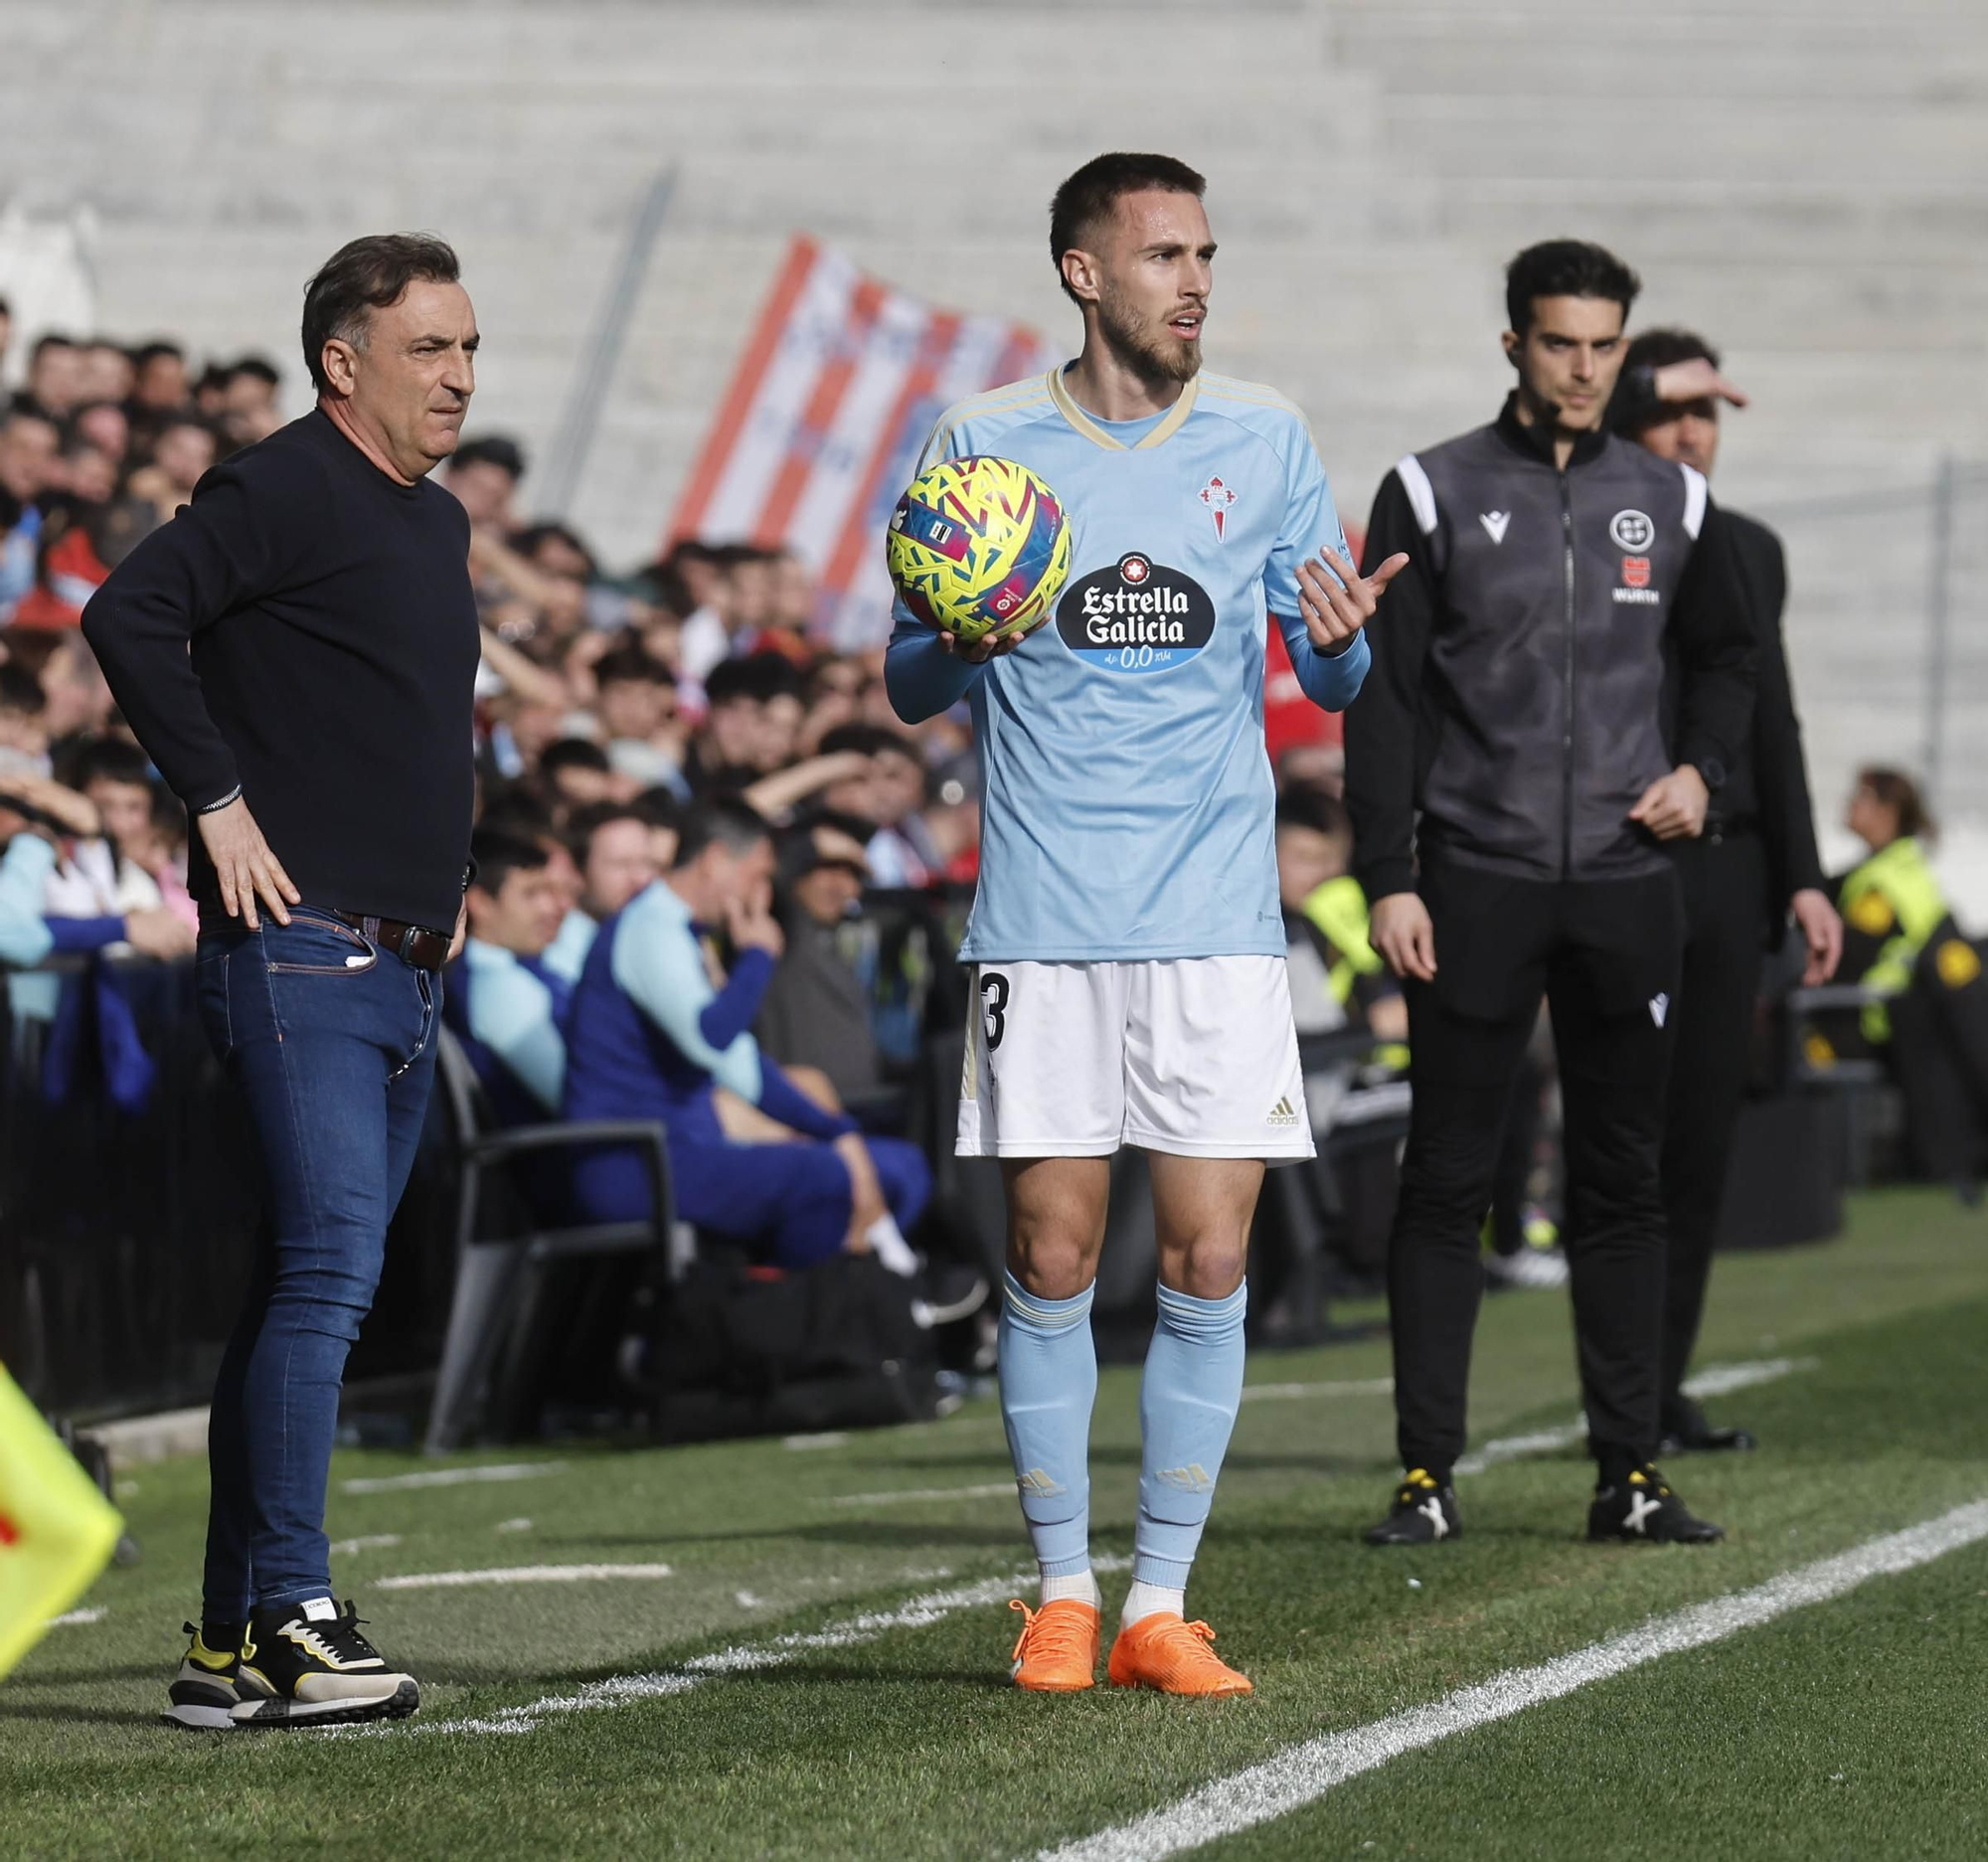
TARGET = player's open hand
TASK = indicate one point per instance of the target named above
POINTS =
(987, 647)
(1338, 603)
(1672, 806)
(244, 866)
(1402, 932)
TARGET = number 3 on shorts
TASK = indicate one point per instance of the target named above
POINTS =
(994, 1006)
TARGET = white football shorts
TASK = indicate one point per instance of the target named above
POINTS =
(1195, 1056)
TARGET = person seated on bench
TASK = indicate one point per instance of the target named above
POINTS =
(656, 1029)
(500, 998)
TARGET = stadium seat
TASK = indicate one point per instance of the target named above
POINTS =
(496, 1276)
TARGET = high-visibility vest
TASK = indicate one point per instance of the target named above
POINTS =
(1339, 910)
(57, 1531)
(1895, 898)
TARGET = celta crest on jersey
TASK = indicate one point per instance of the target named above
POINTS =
(1137, 616)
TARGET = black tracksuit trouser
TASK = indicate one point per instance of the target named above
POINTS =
(1605, 955)
(1724, 885)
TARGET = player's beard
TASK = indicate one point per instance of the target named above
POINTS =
(1150, 349)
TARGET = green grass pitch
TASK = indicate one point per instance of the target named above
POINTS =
(822, 1671)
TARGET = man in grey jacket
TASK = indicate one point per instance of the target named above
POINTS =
(1510, 781)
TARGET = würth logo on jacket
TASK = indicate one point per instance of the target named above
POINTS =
(1636, 582)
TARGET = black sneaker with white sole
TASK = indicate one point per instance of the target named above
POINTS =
(209, 1687)
(1643, 1511)
(307, 1665)
(1423, 1512)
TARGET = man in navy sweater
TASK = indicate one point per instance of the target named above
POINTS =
(296, 651)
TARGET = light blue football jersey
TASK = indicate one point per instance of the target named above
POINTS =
(1126, 800)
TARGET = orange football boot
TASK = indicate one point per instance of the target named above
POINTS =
(1162, 1651)
(1056, 1651)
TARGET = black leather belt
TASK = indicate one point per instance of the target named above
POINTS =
(425, 950)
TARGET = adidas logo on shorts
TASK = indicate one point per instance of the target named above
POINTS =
(1283, 1112)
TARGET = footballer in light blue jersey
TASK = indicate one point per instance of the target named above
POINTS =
(1127, 799)
(1127, 947)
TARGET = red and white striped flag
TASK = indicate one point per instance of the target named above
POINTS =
(819, 430)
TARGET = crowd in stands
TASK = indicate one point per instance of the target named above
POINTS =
(682, 724)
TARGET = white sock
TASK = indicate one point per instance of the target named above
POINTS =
(1148, 1599)
(1082, 1587)
(887, 1243)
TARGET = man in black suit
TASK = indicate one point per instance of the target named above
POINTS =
(1753, 868)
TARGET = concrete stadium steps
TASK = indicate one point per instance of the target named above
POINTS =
(1806, 180)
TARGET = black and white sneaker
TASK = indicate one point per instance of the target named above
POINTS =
(1643, 1511)
(1424, 1511)
(208, 1686)
(306, 1664)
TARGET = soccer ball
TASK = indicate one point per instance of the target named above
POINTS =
(978, 547)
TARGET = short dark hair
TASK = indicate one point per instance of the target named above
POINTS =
(259, 368)
(498, 854)
(51, 339)
(721, 821)
(152, 351)
(1087, 196)
(1658, 349)
(497, 450)
(573, 753)
(633, 664)
(732, 681)
(1305, 805)
(362, 277)
(109, 760)
(583, 823)
(21, 691)
(1565, 268)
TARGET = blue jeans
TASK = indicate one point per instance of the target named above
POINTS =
(333, 1043)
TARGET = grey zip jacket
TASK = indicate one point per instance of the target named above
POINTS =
(1514, 713)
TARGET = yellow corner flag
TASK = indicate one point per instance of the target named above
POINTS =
(56, 1530)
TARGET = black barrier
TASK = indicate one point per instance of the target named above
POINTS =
(128, 1206)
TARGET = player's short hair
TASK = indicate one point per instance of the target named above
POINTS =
(498, 449)
(583, 823)
(633, 663)
(1305, 805)
(1091, 194)
(1658, 349)
(499, 853)
(721, 821)
(110, 760)
(362, 277)
(1565, 268)
(573, 753)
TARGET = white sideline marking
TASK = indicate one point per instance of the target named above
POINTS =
(834, 1438)
(1302, 1773)
(70, 1618)
(451, 1477)
(519, 1574)
(619, 1691)
(1715, 1380)
(511, 1525)
(986, 1492)
(1346, 1387)
(366, 1542)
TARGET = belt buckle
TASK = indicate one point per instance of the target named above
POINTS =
(404, 945)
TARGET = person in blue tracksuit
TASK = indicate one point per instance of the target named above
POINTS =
(653, 1034)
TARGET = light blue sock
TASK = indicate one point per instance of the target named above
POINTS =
(1187, 1409)
(1049, 1381)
